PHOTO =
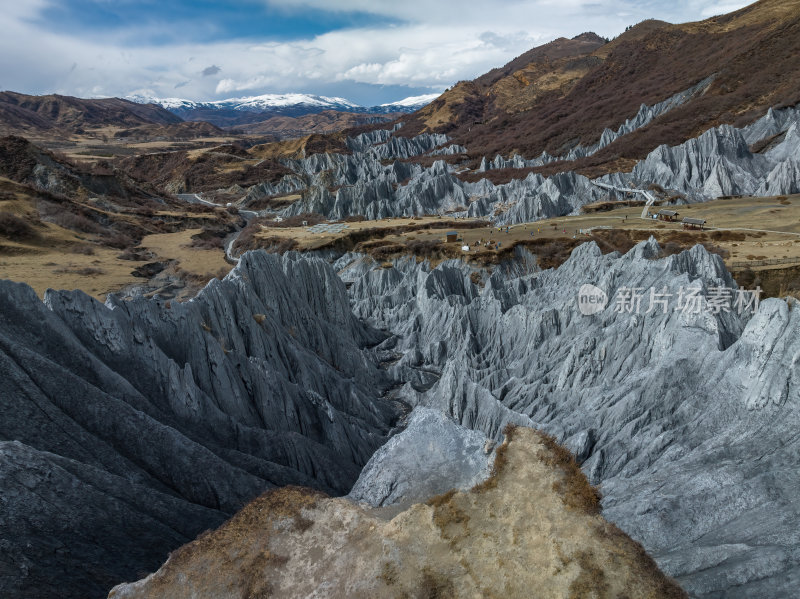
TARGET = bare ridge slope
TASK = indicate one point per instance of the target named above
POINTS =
(21, 112)
(567, 92)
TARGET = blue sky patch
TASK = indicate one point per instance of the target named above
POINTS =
(159, 22)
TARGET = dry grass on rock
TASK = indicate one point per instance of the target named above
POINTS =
(533, 525)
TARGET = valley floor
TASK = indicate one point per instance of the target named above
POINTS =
(748, 231)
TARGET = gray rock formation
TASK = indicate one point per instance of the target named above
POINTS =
(405, 147)
(771, 124)
(645, 116)
(685, 419)
(719, 162)
(450, 150)
(131, 427)
(138, 424)
(714, 164)
(431, 456)
(375, 191)
(288, 184)
(365, 167)
(537, 197)
(784, 178)
(136, 416)
(361, 142)
(365, 184)
(789, 147)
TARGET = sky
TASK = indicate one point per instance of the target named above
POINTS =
(368, 51)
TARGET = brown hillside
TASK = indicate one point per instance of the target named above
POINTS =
(98, 200)
(327, 121)
(216, 168)
(24, 113)
(558, 49)
(23, 162)
(90, 226)
(173, 131)
(306, 146)
(557, 101)
(470, 101)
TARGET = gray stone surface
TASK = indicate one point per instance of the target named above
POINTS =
(137, 416)
(687, 421)
(431, 456)
(287, 185)
(771, 124)
(450, 150)
(719, 162)
(144, 422)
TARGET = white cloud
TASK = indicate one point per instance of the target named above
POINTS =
(435, 44)
(720, 8)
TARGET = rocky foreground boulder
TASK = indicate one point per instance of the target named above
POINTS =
(533, 524)
(431, 456)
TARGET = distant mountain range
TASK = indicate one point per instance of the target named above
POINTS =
(253, 109)
(56, 115)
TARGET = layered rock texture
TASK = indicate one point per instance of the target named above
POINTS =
(720, 162)
(377, 181)
(129, 428)
(684, 419)
(132, 427)
(491, 541)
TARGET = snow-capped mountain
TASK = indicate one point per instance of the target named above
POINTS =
(270, 101)
(252, 103)
(413, 102)
(251, 109)
(168, 103)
